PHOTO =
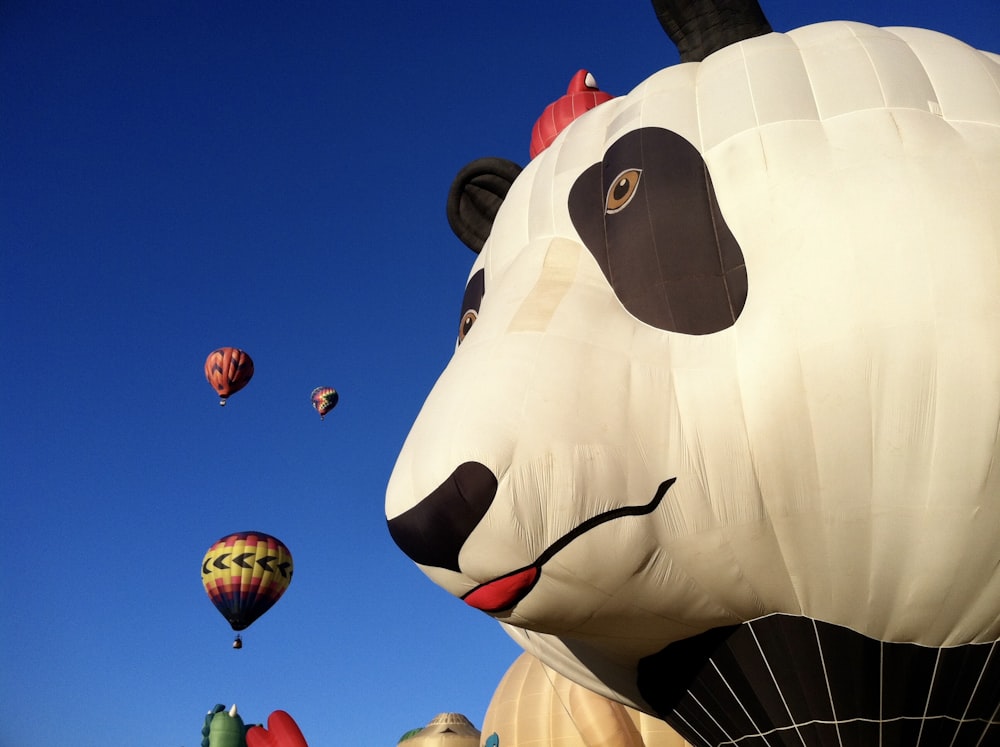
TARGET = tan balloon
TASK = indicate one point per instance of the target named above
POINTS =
(535, 706)
(445, 730)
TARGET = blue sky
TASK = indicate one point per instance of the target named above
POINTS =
(179, 176)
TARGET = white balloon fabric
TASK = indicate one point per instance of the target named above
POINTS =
(729, 396)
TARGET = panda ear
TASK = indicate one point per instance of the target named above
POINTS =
(700, 27)
(475, 197)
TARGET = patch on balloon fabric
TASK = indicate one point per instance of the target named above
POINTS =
(649, 214)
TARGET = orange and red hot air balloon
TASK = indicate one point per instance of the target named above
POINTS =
(228, 370)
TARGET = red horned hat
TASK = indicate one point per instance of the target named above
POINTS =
(581, 96)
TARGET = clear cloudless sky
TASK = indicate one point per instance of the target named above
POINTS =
(182, 175)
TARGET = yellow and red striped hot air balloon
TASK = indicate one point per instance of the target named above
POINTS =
(228, 370)
(245, 573)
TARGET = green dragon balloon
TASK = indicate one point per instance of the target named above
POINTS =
(224, 728)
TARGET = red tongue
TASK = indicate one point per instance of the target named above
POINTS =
(504, 592)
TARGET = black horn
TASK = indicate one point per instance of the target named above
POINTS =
(700, 27)
(475, 197)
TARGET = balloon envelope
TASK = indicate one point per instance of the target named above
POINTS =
(324, 399)
(446, 730)
(722, 442)
(245, 574)
(281, 731)
(534, 704)
(228, 370)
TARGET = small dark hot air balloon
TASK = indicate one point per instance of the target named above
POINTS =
(228, 370)
(245, 574)
(324, 399)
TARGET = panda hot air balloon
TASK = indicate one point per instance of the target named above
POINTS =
(719, 441)
(228, 370)
(245, 573)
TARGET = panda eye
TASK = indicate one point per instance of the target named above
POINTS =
(468, 319)
(470, 303)
(622, 190)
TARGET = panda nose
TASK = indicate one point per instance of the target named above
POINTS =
(433, 531)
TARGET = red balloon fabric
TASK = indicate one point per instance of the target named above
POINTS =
(228, 370)
(581, 96)
(281, 731)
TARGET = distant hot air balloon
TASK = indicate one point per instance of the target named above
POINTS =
(324, 399)
(245, 574)
(228, 370)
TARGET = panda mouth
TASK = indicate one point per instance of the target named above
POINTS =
(505, 592)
